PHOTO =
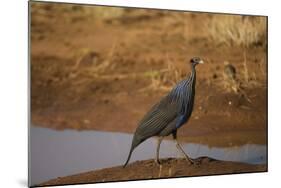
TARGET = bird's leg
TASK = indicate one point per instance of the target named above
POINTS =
(180, 149)
(184, 154)
(159, 140)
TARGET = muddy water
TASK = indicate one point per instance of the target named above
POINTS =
(62, 153)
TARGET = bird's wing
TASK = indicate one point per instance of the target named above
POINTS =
(157, 119)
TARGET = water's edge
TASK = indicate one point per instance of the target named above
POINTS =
(62, 153)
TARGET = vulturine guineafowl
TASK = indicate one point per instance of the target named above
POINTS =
(169, 114)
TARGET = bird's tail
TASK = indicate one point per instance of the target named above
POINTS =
(129, 156)
(135, 143)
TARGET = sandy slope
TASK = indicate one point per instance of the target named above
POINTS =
(149, 170)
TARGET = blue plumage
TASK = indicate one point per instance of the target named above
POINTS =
(181, 120)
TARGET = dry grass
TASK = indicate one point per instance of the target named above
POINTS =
(233, 30)
(246, 72)
(230, 30)
(163, 79)
(104, 12)
(89, 12)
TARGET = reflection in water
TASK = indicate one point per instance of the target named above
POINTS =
(62, 153)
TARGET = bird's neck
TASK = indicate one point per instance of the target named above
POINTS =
(179, 92)
(193, 73)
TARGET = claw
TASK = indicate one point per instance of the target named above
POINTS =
(192, 161)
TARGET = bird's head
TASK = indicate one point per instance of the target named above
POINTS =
(196, 60)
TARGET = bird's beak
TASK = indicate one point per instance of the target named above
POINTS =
(201, 62)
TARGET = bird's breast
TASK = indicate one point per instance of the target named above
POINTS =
(182, 119)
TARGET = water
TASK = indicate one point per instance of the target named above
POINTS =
(61, 153)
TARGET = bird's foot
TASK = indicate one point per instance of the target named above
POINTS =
(192, 161)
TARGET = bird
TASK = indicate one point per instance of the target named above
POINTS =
(168, 115)
(232, 82)
(229, 71)
(229, 74)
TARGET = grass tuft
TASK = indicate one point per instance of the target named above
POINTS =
(242, 31)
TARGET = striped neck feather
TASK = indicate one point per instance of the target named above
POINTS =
(182, 93)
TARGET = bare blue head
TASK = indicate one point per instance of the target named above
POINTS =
(195, 61)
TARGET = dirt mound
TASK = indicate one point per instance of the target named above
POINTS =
(148, 169)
